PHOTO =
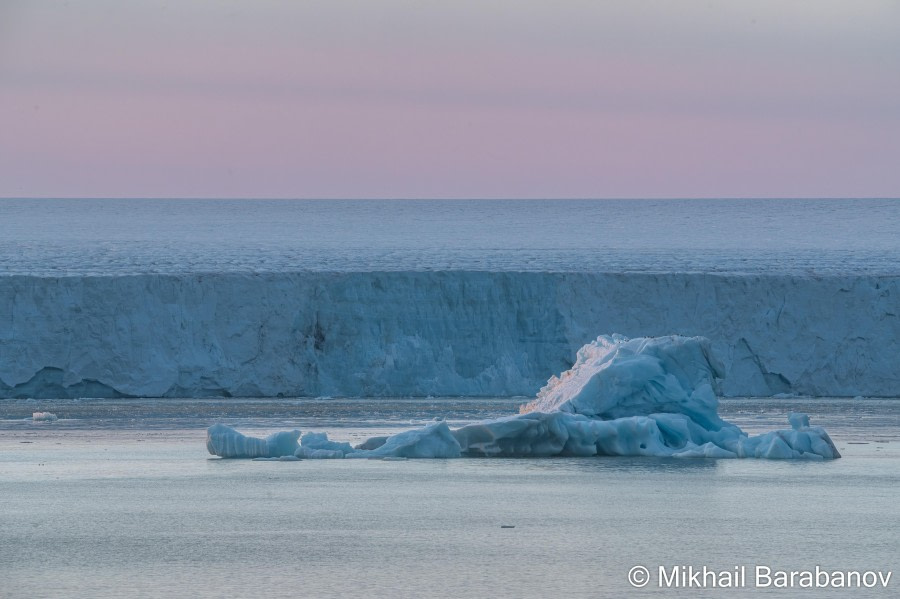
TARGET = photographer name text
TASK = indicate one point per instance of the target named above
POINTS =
(704, 577)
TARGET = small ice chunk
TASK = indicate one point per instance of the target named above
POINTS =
(224, 441)
(798, 421)
(432, 441)
(282, 444)
(321, 441)
(44, 417)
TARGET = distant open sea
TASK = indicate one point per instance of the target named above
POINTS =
(106, 237)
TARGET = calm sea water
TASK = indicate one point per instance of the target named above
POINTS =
(119, 498)
(58, 237)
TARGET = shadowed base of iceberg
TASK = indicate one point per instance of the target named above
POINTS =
(623, 397)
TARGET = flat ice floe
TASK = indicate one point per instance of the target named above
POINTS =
(651, 396)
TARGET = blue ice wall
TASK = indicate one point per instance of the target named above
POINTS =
(431, 333)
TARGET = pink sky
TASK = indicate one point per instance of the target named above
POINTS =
(450, 99)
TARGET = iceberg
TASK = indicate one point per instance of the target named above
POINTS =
(653, 396)
(44, 417)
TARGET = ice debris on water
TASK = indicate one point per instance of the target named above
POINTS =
(44, 417)
(651, 396)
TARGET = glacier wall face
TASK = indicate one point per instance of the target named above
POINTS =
(431, 333)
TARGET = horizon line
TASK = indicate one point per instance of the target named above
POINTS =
(451, 199)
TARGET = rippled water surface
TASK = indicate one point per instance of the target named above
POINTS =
(72, 237)
(119, 498)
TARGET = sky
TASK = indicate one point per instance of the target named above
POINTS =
(461, 99)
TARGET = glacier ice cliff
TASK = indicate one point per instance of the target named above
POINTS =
(623, 397)
(430, 333)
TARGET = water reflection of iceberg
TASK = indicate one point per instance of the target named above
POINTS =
(623, 397)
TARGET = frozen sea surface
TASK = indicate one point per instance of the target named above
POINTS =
(102, 237)
(118, 498)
